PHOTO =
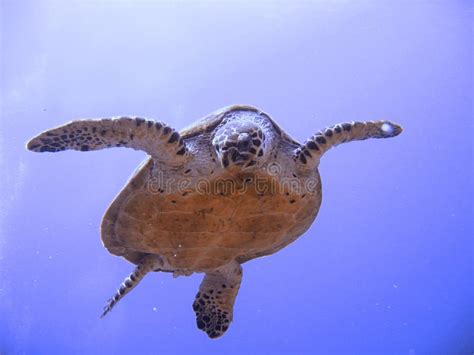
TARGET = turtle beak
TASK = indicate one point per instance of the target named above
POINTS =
(238, 152)
(244, 142)
(234, 157)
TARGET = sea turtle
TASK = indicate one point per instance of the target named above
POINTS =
(230, 188)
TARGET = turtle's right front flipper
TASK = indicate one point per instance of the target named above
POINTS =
(162, 142)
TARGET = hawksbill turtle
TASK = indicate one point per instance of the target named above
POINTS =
(230, 188)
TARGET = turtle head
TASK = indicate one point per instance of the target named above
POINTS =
(241, 143)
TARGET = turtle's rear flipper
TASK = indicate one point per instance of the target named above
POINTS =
(312, 150)
(148, 263)
(214, 302)
(162, 142)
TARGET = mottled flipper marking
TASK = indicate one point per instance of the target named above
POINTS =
(214, 303)
(156, 138)
(148, 263)
(312, 150)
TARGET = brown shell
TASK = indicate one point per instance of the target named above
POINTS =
(196, 231)
(210, 122)
(199, 232)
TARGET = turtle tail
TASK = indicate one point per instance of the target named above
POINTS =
(148, 263)
(312, 150)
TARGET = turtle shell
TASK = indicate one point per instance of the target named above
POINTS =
(197, 231)
(210, 122)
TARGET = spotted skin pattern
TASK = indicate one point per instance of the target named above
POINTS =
(214, 302)
(156, 138)
(310, 152)
(239, 143)
(148, 263)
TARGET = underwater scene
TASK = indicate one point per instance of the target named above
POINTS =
(284, 177)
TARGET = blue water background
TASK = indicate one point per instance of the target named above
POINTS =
(387, 266)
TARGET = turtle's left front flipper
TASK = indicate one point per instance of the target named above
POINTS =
(314, 148)
(159, 140)
(214, 303)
